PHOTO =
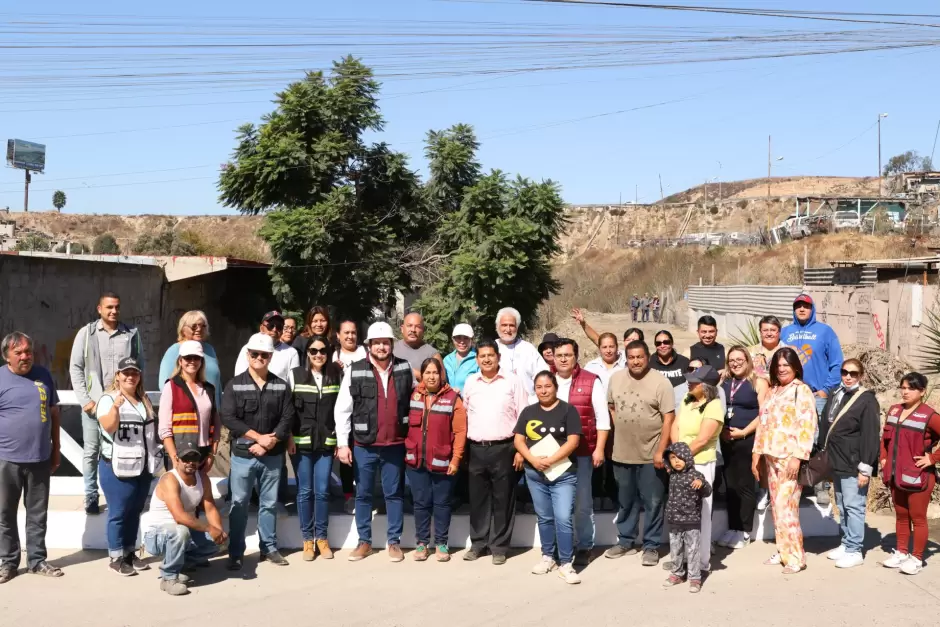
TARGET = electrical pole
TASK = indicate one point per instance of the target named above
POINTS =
(26, 194)
(880, 174)
(768, 167)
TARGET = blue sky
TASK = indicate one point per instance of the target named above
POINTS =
(132, 150)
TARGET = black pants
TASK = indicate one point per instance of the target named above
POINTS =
(492, 496)
(603, 484)
(740, 486)
(31, 481)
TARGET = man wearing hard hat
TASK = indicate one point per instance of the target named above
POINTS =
(373, 404)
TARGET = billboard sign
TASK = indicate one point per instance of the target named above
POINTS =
(26, 155)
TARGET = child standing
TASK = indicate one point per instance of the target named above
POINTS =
(687, 488)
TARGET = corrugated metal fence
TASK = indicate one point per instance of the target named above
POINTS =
(753, 300)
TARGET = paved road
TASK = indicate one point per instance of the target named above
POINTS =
(740, 592)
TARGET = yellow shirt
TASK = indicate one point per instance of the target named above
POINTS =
(690, 424)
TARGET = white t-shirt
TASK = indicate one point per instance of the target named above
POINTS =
(598, 367)
(523, 360)
(348, 358)
(283, 360)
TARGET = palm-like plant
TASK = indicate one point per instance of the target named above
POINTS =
(58, 200)
(930, 341)
(748, 336)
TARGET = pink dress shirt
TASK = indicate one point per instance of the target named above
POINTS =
(493, 407)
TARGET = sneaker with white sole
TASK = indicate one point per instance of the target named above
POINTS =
(741, 539)
(568, 574)
(545, 566)
(912, 566)
(896, 560)
(850, 560)
(763, 501)
(726, 538)
(836, 554)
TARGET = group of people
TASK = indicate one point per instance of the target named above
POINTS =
(643, 429)
(642, 307)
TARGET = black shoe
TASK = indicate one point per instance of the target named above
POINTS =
(136, 563)
(582, 557)
(119, 566)
(91, 506)
(234, 564)
(275, 558)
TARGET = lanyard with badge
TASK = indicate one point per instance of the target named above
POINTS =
(734, 390)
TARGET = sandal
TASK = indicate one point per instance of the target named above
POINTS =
(46, 570)
(773, 560)
(793, 570)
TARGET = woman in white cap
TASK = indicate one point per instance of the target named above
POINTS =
(461, 363)
(188, 411)
(129, 454)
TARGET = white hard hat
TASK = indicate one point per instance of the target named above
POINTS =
(261, 342)
(463, 329)
(380, 331)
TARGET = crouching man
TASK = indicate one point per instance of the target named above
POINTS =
(172, 528)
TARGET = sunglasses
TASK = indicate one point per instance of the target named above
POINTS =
(663, 342)
(272, 326)
(198, 326)
(191, 358)
(691, 369)
(257, 355)
(850, 373)
(318, 351)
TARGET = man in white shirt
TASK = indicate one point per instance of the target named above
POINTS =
(587, 394)
(285, 357)
(515, 354)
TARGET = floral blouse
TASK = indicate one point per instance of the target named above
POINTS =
(787, 424)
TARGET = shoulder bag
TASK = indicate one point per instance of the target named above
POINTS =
(817, 468)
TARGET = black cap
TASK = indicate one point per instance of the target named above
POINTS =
(188, 451)
(703, 374)
(128, 363)
(548, 338)
(271, 315)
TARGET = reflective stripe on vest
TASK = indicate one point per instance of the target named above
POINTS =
(440, 463)
(243, 387)
(444, 409)
(302, 439)
(417, 405)
(330, 442)
(185, 423)
(909, 480)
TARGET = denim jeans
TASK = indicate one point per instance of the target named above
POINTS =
(313, 492)
(431, 492)
(91, 447)
(265, 471)
(389, 461)
(554, 508)
(640, 486)
(851, 501)
(584, 504)
(126, 500)
(178, 543)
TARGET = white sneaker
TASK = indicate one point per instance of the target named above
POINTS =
(896, 560)
(741, 539)
(726, 538)
(912, 566)
(764, 500)
(567, 573)
(544, 567)
(836, 554)
(850, 560)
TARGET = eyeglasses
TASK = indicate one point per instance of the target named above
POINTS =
(317, 351)
(199, 326)
(257, 355)
(850, 373)
(736, 362)
(663, 342)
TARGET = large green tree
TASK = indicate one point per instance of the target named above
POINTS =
(58, 200)
(341, 214)
(497, 237)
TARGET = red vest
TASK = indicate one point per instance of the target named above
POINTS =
(185, 421)
(579, 397)
(430, 440)
(902, 442)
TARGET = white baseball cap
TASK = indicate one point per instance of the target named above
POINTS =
(463, 329)
(192, 348)
(261, 342)
(380, 331)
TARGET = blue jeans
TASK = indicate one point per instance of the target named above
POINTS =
(265, 471)
(851, 501)
(178, 543)
(91, 447)
(390, 462)
(126, 500)
(640, 485)
(431, 492)
(584, 504)
(313, 492)
(554, 508)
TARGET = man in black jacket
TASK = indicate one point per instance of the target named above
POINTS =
(258, 411)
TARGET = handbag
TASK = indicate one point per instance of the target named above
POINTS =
(817, 468)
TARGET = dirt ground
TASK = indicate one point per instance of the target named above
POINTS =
(740, 591)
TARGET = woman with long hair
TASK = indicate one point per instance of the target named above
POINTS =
(316, 322)
(193, 325)
(784, 438)
(129, 454)
(911, 432)
(434, 446)
(744, 392)
(315, 386)
(188, 412)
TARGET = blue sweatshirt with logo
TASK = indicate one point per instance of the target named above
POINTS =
(819, 350)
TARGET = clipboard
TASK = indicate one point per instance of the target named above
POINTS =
(546, 447)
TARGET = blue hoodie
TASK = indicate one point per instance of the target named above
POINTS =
(819, 350)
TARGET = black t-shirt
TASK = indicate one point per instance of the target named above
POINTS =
(535, 422)
(674, 371)
(715, 354)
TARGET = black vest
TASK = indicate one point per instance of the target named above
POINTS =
(314, 428)
(363, 385)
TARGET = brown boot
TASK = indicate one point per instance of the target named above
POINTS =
(309, 550)
(394, 553)
(362, 551)
(323, 546)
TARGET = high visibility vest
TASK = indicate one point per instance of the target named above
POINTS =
(903, 440)
(314, 428)
(430, 440)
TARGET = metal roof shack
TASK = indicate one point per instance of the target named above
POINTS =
(174, 267)
(872, 271)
